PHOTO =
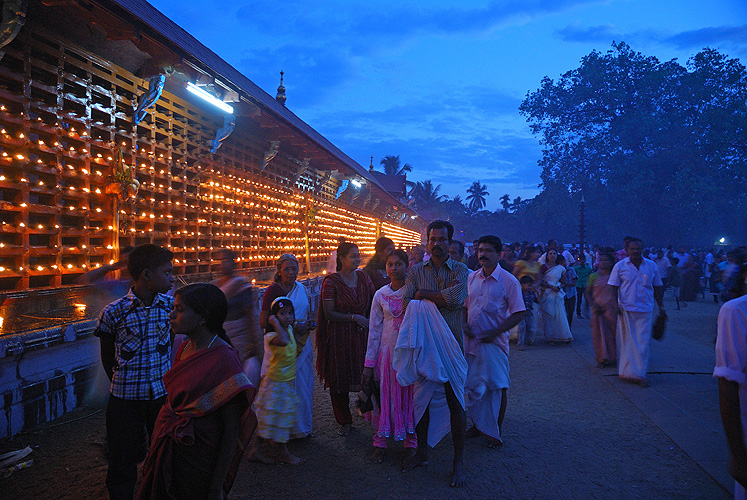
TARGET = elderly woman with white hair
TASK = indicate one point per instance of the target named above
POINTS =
(285, 285)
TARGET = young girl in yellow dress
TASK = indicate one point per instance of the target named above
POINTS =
(276, 404)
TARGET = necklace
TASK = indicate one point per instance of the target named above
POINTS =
(211, 342)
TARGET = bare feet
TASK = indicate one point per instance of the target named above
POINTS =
(409, 454)
(378, 455)
(290, 459)
(494, 443)
(256, 455)
(415, 460)
(344, 429)
(472, 432)
(457, 476)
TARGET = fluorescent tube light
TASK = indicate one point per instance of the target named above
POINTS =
(209, 97)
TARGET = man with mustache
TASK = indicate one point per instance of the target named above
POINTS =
(442, 281)
(494, 305)
(636, 287)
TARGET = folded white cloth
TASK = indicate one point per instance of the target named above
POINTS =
(427, 356)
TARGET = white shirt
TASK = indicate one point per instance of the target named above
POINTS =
(569, 258)
(708, 264)
(684, 257)
(731, 349)
(663, 265)
(636, 285)
(490, 301)
(589, 259)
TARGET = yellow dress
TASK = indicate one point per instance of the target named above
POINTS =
(276, 404)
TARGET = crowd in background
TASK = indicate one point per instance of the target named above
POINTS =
(231, 376)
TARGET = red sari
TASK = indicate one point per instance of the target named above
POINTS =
(187, 435)
(341, 346)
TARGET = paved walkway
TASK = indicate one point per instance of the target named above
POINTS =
(572, 431)
(683, 397)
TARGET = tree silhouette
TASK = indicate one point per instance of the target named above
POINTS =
(516, 204)
(476, 196)
(392, 166)
(426, 195)
(651, 141)
(505, 202)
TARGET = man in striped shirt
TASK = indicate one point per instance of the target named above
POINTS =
(443, 281)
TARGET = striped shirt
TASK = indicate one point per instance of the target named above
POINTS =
(451, 280)
(142, 345)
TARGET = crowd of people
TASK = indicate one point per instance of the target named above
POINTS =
(423, 338)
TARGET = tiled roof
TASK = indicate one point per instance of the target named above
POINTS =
(169, 29)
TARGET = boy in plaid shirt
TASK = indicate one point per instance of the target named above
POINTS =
(135, 335)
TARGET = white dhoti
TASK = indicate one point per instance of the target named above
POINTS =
(427, 356)
(487, 376)
(632, 339)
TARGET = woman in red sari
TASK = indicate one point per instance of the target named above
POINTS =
(206, 422)
(342, 331)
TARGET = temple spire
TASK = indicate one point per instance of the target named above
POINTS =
(281, 91)
(371, 168)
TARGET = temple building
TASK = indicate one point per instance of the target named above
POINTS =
(118, 128)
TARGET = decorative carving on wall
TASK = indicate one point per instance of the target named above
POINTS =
(303, 166)
(229, 123)
(270, 154)
(155, 88)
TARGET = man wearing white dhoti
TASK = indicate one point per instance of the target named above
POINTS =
(440, 283)
(494, 305)
(636, 287)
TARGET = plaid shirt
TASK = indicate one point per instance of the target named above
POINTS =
(424, 276)
(142, 345)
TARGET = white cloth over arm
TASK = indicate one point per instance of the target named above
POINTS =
(427, 355)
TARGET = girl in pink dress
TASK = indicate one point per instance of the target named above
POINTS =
(393, 416)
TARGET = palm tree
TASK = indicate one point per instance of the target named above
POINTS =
(476, 196)
(505, 202)
(426, 194)
(516, 203)
(392, 166)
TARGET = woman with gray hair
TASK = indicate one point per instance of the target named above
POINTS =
(285, 285)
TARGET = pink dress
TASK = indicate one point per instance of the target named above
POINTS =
(395, 417)
(603, 318)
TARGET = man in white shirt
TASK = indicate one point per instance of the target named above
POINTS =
(683, 256)
(663, 264)
(708, 267)
(637, 286)
(731, 370)
(494, 305)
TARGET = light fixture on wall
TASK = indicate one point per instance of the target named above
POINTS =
(203, 94)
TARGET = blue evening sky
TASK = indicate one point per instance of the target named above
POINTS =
(439, 83)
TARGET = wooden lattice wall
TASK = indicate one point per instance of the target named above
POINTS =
(64, 110)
